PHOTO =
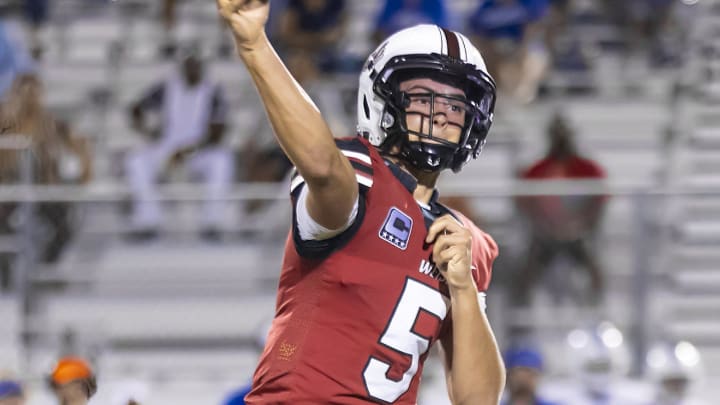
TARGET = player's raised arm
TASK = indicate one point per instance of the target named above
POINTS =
(300, 128)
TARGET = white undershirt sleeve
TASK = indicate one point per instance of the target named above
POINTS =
(309, 229)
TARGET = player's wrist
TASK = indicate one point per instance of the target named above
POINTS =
(247, 49)
(461, 284)
(462, 293)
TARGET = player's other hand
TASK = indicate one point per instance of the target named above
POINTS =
(452, 252)
(247, 19)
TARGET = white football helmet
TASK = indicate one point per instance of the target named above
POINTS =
(425, 51)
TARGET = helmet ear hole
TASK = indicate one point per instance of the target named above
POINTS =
(366, 107)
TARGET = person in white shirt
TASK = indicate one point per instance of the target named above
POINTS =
(193, 114)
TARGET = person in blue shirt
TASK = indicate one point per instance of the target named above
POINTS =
(524, 368)
(399, 14)
(506, 18)
(310, 32)
(511, 35)
(11, 392)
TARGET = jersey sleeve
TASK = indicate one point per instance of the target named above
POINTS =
(484, 253)
(359, 157)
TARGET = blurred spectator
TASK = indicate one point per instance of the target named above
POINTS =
(640, 21)
(14, 56)
(524, 369)
(674, 368)
(73, 381)
(650, 26)
(169, 43)
(11, 392)
(57, 156)
(561, 225)
(568, 51)
(598, 360)
(399, 14)
(193, 113)
(36, 13)
(510, 34)
(310, 32)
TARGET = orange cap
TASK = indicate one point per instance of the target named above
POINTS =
(70, 369)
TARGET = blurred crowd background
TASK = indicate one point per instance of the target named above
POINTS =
(143, 201)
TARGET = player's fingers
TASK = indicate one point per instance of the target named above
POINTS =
(250, 3)
(444, 242)
(454, 254)
(230, 6)
(227, 7)
(461, 236)
(444, 224)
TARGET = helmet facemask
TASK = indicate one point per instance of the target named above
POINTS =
(471, 113)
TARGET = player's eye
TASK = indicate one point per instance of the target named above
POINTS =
(420, 100)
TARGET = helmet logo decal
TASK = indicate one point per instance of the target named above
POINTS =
(378, 54)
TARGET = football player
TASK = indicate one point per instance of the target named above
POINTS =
(375, 269)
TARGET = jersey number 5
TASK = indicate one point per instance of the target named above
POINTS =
(401, 337)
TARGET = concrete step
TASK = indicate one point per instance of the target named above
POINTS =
(704, 181)
(701, 208)
(700, 231)
(157, 320)
(700, 279)
(686, 256)
(704, 161)
(697, 331)
(692, 307)
(706, 137)
(710, 357)
(169, 267)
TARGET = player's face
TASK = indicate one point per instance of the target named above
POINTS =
(434, 102)
(192, 68)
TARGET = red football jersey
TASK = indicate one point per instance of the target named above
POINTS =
(357, 314)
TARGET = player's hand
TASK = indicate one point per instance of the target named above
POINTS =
(452, 252)
(247, 19)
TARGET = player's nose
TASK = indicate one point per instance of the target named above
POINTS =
(440, 120)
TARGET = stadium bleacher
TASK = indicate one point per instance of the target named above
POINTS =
(184, 315)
